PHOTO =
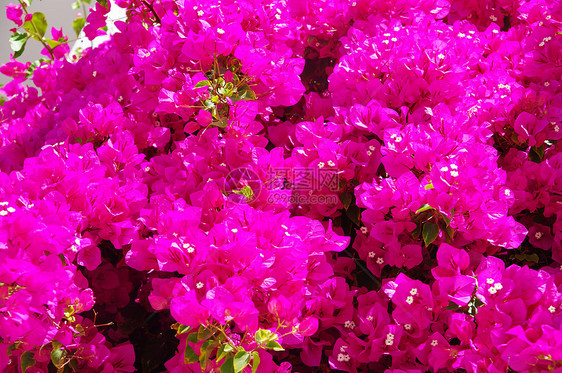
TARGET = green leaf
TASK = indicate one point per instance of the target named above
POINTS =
(228, 366)
(192, 337)
(536, 154)
(27, 360)
(354, 214)
(37, 25)
(75, 5)
(17, 43)
(430, 233)
(346, 198)
(256, 363)
(428, 186)
(202, 83)
(274, 345)
(452, 306)
(52, 43)
(204, 333)
(78, 25)
(57, 354)
(533, 258)
(241, 360)
(205, 352)
(180, 328)
(424, 208)
(189, 355)
(223, 350)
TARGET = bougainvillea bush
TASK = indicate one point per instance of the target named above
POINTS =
(285, 186)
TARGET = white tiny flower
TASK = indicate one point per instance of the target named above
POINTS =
(441, 56)
(341, 357)
(541, 44)
(461, 35)
(199, 285)
(3, 213)
(347, 357)
(472, 32)
(370, 318)
(220, 31)
(284, 226)
(386, 41)
(354, 3)
(507, 192)
(371, 147)
(556, 128)
(372, 254)
(389, 342)
(434, 342)
(321, 165)
(454, 173)
(349, 324)
(200, 13)
(414, 291)
(407, 326)
(454, 167)
(538, 235)
(343, 348)
(364, 230)
(94, 74)
(386, 34)
(498, 286)
(548, 17)
(380, 260)
(369, 153)
(278, 16)
(11, 209)
(546, 84)
(444, 169)
(394, 39)
(4, 203)
(552, 309)
(495, 31)
(492, 290)
(396, 28)
(146, 169)
(398, 139)
(410, 299)
(234, 230)
(490, 281)
(331, 163)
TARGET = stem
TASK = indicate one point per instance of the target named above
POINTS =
(40, 38)
(152, 10)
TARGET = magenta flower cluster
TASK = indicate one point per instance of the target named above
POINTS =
(277, 186)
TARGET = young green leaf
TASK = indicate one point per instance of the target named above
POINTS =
(274, 345)
(256, 362)
(189, 355)
(78, 25)
(17, 43)
(228, 365)
(37, 25)
(223, 350)
(424, 208)
(202, 83)
(241, 360)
